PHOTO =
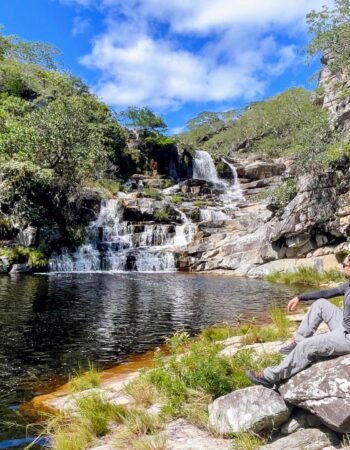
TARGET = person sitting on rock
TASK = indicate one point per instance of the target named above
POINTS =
(307, 347)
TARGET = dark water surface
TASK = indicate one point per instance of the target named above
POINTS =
(51, 325)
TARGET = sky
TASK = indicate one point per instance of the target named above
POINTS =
(178, 57)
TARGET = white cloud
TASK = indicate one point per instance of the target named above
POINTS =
(146, 55)
(80, 25)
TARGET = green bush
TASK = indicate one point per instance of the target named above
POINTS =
(34, 258)
(200, 373)
(280, 196)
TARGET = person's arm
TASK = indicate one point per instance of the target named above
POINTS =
(327, 293)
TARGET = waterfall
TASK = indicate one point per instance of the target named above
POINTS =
(204, 167)
(114, 244)
(234, 192)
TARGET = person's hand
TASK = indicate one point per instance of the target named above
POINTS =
(292, 304)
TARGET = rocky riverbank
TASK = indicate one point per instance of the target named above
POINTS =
(310, 411)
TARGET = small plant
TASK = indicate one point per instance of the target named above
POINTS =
(247, 441)
(153, 193)
(176, 199)
(199, 203)
(142, 391)
(88, 380)
(161, 215)
(219, 332)
(154, 442)
(72, 436)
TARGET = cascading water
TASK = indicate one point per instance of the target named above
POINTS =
(118, 245)
(204, 167)
(235, 191)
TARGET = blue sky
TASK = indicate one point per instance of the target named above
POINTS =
(178, 57)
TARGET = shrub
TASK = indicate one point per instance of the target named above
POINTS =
(19, 254)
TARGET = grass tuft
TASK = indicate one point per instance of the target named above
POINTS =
(247, 441)
(87, 380)
(306, 275)
(98, 412)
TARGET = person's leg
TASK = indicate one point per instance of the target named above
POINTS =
(327, 344)
(321, 311)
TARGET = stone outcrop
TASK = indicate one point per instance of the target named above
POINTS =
(324, 390)
(251, 409)
(305, 439)
(182, 435)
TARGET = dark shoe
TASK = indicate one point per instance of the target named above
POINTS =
(258, 378)
(288, 348)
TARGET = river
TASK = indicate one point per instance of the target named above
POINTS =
(50, 325)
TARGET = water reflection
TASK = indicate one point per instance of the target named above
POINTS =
(51, 325)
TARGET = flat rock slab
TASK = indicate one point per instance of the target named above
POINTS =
(112, 391)
(324, 390)
(260, 348)
(184, 436)
(251, 409)
(310, 439)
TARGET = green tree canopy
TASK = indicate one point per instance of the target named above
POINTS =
(143, 118)
(331, 33)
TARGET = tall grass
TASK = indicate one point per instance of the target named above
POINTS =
(306, 275)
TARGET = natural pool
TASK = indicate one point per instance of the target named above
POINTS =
(51, 325)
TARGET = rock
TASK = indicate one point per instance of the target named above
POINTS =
(309, 439)
(251, 409)
(321, 263)
(20, 268)
(300, 419)
(324, 390)
(185, 436)
(259, 348)
(27, 237)
(258, 170)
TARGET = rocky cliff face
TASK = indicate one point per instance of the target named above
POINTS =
(311, 231)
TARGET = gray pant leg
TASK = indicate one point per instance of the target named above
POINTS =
(321, 311)
(334, 343)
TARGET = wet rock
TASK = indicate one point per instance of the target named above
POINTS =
(184, 436)
(305, 439)
(27, 237)
(20, 268)
(324, 390)
(251, 409)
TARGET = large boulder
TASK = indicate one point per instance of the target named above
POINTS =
(251, 409)
(305, 439)
(324, 390)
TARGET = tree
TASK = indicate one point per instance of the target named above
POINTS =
(14, 48)
(143, 118)
(331, 30)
